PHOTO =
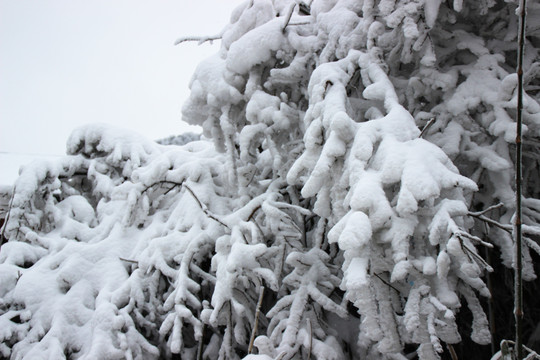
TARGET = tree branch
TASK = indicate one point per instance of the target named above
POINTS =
(386, 282)
(256, 323)
(129, 261)
(199, 39)
(174, 183)
(3, 235)
(204, 208)
(427, 126)
(492, 207)
(507, 228)
(518, 282)
(288, 16)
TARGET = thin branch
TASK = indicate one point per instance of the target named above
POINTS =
(386, 282)
(452, 352)
(169, 190)
(427, 126)
(299, 23)
(129, 261)
(256, 324)
(288, 16)
(252, 217)
(473, 238)
(196, 198)
(201, 343)
(199, 39)
(310, 338)
(174, 183)
(492, 207)
(204, 208)
(507, 228)
(477, 257)
(518, 304)
(253, 212)
(3, 235)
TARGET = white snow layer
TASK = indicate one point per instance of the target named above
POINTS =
(319, 188)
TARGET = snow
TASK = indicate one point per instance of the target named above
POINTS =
(255, 47)
(313, 188)
(357, 232)
(431, 10)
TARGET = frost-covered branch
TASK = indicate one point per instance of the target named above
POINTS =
(199, 39)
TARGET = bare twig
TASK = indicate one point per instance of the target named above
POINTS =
(473, 238)
(129, 261)
(204, 208)
(507, 228)
(299, 23)
(452, 352)
(3, 235)
(426, 127)
(288, 16)
(199, 39)
(386, 282)
(477, 257)
(482, 212)
(201, 343)
(256, 324)
(310, 338)
(174, 183)
(201, 205)
(253, 212)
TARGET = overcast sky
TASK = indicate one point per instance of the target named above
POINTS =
(64, 63)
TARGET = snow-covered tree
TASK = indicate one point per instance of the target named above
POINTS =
(361, 157)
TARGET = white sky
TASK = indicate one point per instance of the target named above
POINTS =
(65, 63)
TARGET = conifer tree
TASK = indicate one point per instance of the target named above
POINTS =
(356, 163)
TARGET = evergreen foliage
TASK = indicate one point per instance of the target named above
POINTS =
(360, 169)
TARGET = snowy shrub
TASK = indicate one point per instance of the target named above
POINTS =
(361, 157)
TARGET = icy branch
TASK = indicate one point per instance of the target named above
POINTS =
(507, 228)
(493, 207)
(200, 39)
